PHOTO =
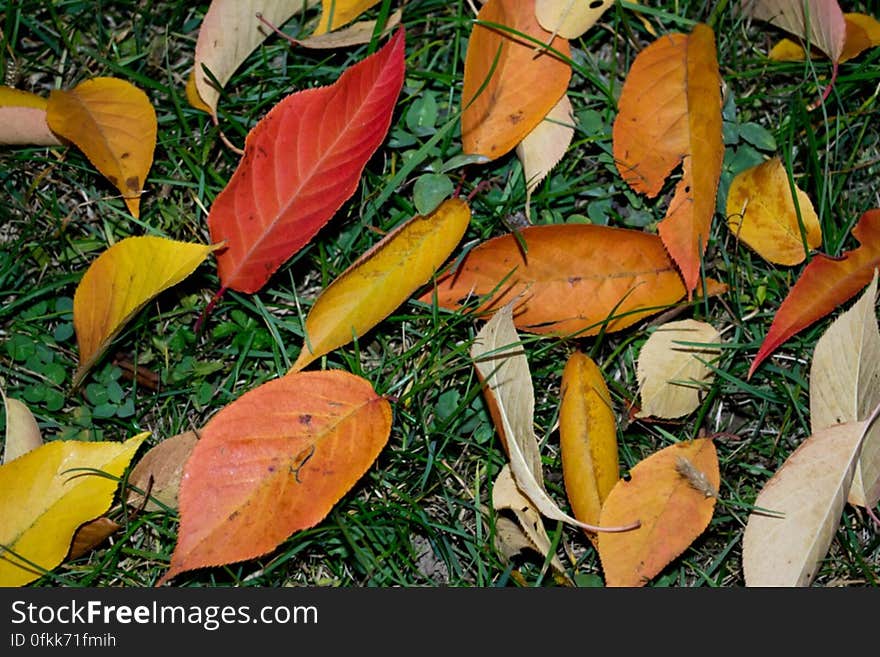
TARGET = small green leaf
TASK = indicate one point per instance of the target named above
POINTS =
(758, 136)
(430, 190)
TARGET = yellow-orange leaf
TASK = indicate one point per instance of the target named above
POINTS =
(114, 124)
(570, 18)
(587, 438)
(229, 33)
(862, 32)
(23, 119)
(761, 212)
(673, 492)
(160, 470)
(571, 279)
(670, 113)
(382, 279)
(336, 13)
(543, 147)
(524, 86)
(120, 282)
(22, 432)
(45, 495)
(273, 462)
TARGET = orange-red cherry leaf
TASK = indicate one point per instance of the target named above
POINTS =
(825, 284)
(302, 161)
(274, 462)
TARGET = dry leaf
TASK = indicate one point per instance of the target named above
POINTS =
(91, 535)
(114, 124)
(806, 497)
(674, 368)
(845, 387)
(336, 13)
(160, 470)
(761, 212)
(672, 510)
(22, 431)
(23, 119)
(570, 18)
(862, 32)
(353, 35)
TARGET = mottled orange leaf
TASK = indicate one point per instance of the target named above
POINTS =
(761, 212)
(114, 124)
(673, 492)
(587, 438)
(524, 86)
(382, 279)
(825, 284)
(336, 13)
(670, 113)
(567, 279)
(23, 119)
(120, 282)
(274, 462)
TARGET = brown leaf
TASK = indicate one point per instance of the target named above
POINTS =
(160, 470)
(91, 535)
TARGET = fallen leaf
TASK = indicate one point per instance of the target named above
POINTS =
(825, 284)
(675, 368)
(114, 124)
(845, 387)
(524, 85)
(798, 511)
(302, 161)
(670, 113)
(44, 497)
(382, 279)
(672, 510)
(353, 35)
(862, 32)
(571, 279)
(23, 119)
(120, 282)
(91, 535)
(229, 33)
(274, 462)
(570, 18)
(761, 212)
(336, 13)
(587, 439)
(543, 147)
(22, 431)
(507, 384)
(505, 495)
(160, 470)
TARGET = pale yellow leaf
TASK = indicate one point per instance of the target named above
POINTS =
(23, 119)
(674, 368)
(845, 387)
(353, 35)
(22, 432)
(798, 511)
(570, 18)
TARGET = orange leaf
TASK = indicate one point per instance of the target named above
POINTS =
(273, 462)
(522, 89)
(114, 124)
(673, 493)
(587, 438)
(567, 279)
(670, 112)
(824, 285)
(761, 212)
(23, 119)
(91, 535)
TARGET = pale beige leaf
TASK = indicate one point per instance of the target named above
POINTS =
(570, 18)
(505, 495)
(845, 387)
(544, 146)
(22, 431)
(673, 369)
(23, 119)
(160, 470)
(353, 35)
(798, 511)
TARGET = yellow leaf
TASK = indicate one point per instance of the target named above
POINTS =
(192, 94)
(587, 439)
(862, 32)
(114, 124)
(44, 497)
(673, 492)
(674, 368)
(544, 146)
(570, 18)
(336, 13)
(786, 51)
(23, 119)
(761, 212)
(22, 432)
(120, 282)
(845, 387)
(382, 279)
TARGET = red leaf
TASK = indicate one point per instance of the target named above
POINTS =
(301, 163)
(825, 284)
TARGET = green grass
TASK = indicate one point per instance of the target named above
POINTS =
(422, 514)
